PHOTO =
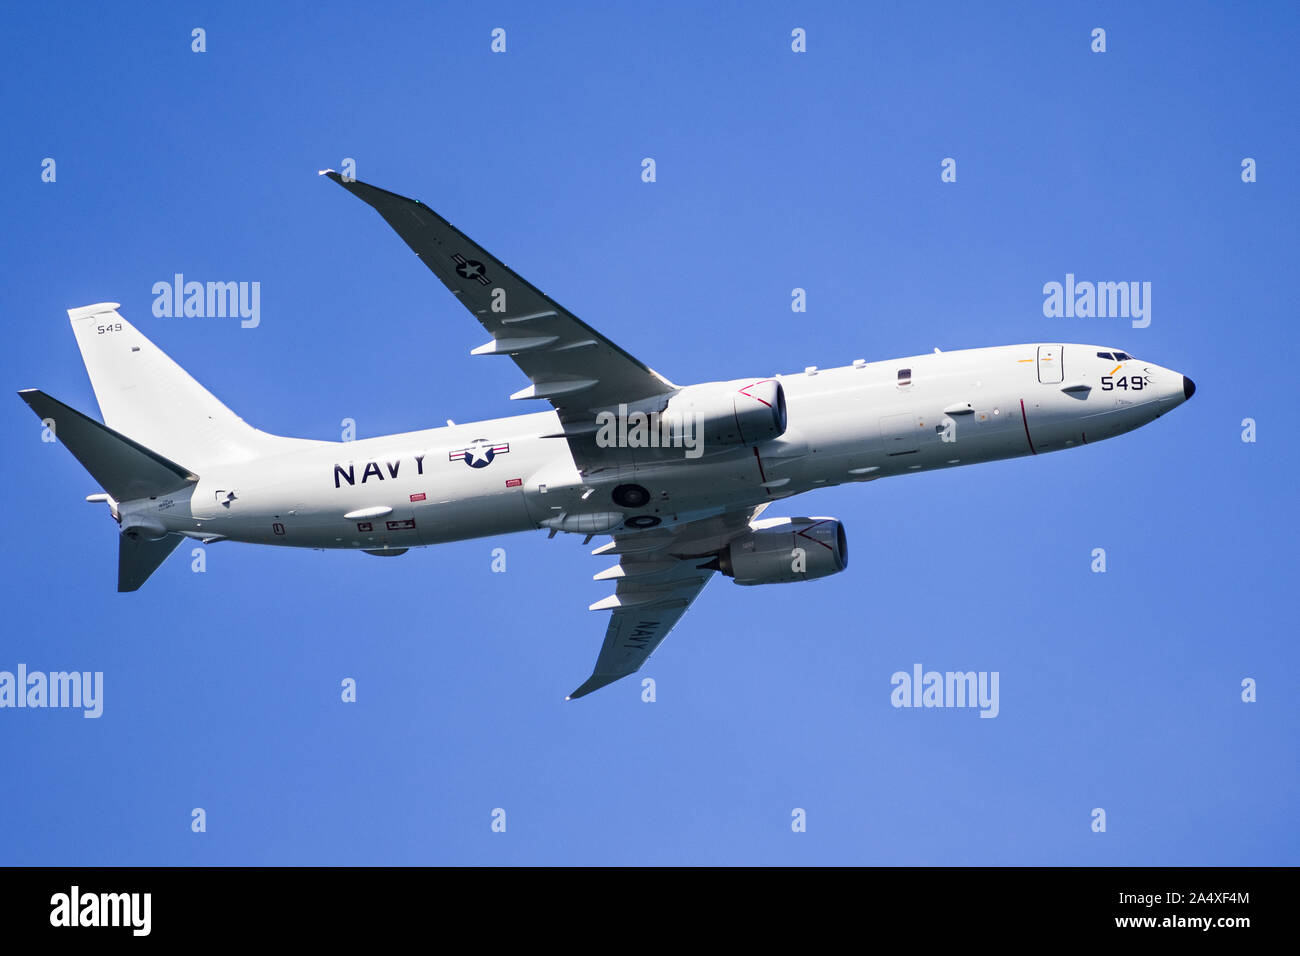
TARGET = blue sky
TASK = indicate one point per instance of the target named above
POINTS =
(775, 170)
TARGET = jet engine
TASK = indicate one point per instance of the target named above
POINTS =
(780, 550)
(744, 412)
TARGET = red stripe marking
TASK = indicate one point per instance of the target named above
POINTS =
(762, 476)
(745, 391)
(804, 534)
(1025, 419)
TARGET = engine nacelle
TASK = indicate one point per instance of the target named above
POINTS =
(781, 550)
(744, 412)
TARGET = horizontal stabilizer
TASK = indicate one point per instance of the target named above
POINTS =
(123, 468)
(137, 558)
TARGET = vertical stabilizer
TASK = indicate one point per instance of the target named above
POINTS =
(149, 398)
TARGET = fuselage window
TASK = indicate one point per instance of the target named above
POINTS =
(904, 376)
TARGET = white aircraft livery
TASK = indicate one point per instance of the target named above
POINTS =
(677, 476)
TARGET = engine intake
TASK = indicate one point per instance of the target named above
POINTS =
(781, 550)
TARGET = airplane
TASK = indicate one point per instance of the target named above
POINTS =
(678, 477)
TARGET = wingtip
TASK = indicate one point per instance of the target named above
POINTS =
(592, 683)
(323, 172)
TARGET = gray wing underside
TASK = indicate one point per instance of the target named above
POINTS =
(658, 575)
(634, 633)
(568, 362)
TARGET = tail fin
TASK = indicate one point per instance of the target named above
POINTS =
(144, 394)
(123, 468)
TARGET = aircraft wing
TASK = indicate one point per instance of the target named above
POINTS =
(568, 361)
(658, 575)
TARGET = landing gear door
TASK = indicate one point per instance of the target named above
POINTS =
(1049, 365)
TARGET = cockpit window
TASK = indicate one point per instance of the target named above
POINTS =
(1106, 355)
(1122, 357)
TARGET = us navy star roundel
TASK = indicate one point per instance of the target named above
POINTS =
(470, 269)
(480, 453)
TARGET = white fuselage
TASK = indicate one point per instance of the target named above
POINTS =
(856, 423)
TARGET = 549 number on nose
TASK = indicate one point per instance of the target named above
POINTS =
(1135, 382)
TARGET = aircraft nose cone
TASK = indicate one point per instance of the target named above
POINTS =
(1189, 388)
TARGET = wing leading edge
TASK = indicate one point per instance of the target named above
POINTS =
(569, 363)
